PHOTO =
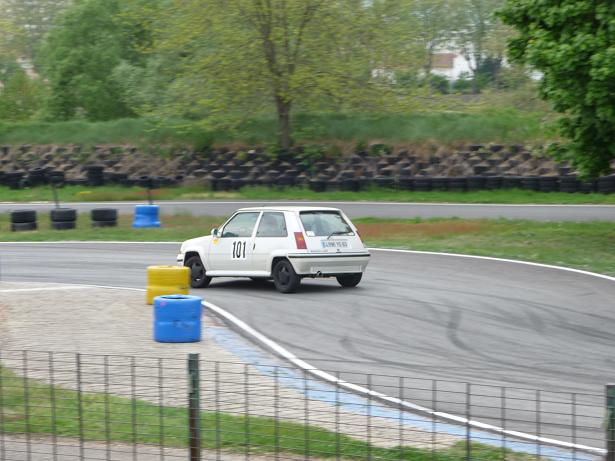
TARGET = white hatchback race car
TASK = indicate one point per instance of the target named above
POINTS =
(283, 243)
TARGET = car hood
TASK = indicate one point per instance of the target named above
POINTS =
(195, 242)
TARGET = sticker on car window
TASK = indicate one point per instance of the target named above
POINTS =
(310, 233)
(238, 250)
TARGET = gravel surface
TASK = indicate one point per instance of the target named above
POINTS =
(111, 330)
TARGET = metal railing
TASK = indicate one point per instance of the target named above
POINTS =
(64, 406)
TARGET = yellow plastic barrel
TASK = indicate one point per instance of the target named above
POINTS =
(167, 280)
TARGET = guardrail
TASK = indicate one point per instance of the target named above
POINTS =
(78, 406)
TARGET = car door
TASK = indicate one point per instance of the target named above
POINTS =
(271, 235)
(231, 250)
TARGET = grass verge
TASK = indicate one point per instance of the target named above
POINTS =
(29, 406)
(446, 127)
(586, 245)
(120, 193)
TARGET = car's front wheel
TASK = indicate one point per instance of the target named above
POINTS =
(198, 274)
(350, 280)
(285, 278)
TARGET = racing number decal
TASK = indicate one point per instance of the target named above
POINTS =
(239, 250)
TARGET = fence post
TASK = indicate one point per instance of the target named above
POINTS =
(194, 407)
(610, 422)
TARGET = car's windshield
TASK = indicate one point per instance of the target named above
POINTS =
(241, 225)
(324, 223)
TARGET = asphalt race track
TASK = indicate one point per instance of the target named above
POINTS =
(430, 316)
(359, 209)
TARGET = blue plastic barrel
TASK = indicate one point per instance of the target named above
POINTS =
(146, 216)
(177, 318)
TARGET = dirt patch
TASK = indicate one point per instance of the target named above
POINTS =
(10, 415)
(395, 230)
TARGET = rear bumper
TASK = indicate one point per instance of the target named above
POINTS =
(329, 264)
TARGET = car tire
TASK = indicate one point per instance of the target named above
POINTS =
(23, 226)
(104, 214)
(104, 223)
(63, 225)
(285, 278)
(350, 280)
(63, 215)
(198, 274)
(23, 216)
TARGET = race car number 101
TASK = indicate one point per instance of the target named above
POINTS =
(239, 250)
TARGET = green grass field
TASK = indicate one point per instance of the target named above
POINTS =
(120, 193)
(586, 246)
(445, 127)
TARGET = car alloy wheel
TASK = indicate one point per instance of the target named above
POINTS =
(198, 277)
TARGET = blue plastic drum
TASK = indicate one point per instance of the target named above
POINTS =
(177, 319)
(146, 216)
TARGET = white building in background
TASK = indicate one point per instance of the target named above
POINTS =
(27, 66)
(449, 65)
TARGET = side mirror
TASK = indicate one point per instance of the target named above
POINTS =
(214, 232)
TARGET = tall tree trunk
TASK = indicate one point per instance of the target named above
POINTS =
(283, 108)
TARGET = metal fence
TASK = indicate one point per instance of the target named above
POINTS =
(64, 406)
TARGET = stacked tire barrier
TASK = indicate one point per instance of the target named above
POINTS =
(13, 179)
(37, 176)
(167, 280)
(95, 175)
(177, 319)
(104, 217)
(472, 168)
(63, 218)
(146, 216)
(57, 178)
(568, 184)
(23, 220)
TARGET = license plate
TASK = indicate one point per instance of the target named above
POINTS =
(335, 244)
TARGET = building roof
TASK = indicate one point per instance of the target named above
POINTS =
(443, 60)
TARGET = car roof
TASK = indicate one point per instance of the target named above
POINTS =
(288, 208)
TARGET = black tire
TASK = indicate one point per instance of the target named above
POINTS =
(63, 215)
(198, 277)
(350, 280)
(104, 223)
(63, 225)
(285, 278)
(23, 216)
(23, 226)
(104, 214)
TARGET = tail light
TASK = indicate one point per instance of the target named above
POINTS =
(300, 241)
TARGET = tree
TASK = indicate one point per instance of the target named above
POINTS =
(572, 42)
(238, 57)
(436, 26)
(79, 57)
(31, 20)
(8, 35)
(20, 96)
(479, 34)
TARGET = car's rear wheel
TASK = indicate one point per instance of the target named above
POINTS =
(285, 278)
(350, 280)
(198, 274)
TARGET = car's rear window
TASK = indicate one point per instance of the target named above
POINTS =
(324, 223)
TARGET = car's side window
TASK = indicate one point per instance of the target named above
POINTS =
(241, 225)
(272, 225)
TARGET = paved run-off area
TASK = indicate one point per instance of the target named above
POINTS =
(111, 329)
